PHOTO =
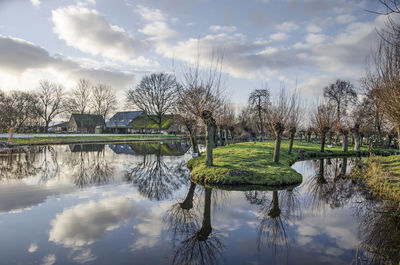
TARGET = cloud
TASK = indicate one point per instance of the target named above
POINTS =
(90, 32)
(313, 28)
(156, 27)
(218, 28)
(344, 19)
(35, 3)
(24, 62)
(287, 26)
(313, 38)
(85, 223)
(279, 36)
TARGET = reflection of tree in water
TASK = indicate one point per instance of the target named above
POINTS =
(380, 232)
(40, 161)
(193, 244)
(90, 168)
(329, 186)
(155, 179)
(278, 209)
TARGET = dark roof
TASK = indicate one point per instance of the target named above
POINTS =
(122, 119)
(87, 120)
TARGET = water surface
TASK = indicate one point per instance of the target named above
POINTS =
(135, 204)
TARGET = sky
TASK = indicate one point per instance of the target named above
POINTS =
(303, 44)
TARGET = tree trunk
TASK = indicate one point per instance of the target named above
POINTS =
(323, 136)
(357, 145)
(211, 127)
(292, 134)
(226, 137)
(47, 126)
(345, 146)
(232, 136)
(277, 148)
(190, 126)
(278, 130)
(398, 136)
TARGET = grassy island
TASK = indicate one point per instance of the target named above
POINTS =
(252, 163)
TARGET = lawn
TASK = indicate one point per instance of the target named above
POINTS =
(252, 163)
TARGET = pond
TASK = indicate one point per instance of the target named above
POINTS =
(134, 204)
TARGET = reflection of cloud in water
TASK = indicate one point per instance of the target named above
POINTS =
(49, 259)
(33, 247)
(16, 198)
(83, 256)
(84, 223)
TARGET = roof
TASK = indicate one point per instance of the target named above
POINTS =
(87, 120)
(122, 119)
(143, 122)
(63, 124)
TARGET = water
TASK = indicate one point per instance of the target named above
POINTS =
(135, 204)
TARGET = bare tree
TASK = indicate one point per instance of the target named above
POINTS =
(340, 94)
(49, 103)
(259, 100)
(156, 95)
(277, 117)
(324, 119)
(294, 118)
(78, 100)
(199, 94)
(383, 76)
(103, 100)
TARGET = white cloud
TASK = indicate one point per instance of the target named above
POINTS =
(287, 26)
(35, 3)
(90, 32)
(313, 38)
(344, 19)
(313, 28)
(156, 28)
(24, 64)
(279, 36)
(218, 28)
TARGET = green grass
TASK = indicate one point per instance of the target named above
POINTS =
(382, 175)
(252, 164)
(86, 139)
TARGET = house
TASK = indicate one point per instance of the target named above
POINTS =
(84, 123)
(146, 124)
(59, 127)
(119, 123)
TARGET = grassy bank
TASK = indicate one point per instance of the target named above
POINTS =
(381, 175)
(87, 139)
(252, 164)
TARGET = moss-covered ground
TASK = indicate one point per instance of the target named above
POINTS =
(252, 163)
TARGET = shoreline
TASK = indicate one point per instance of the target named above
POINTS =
(21, 143)
(252, 163)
